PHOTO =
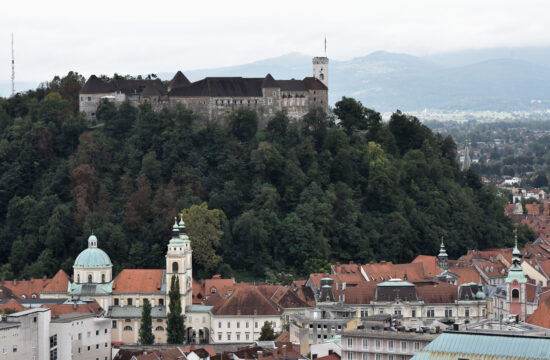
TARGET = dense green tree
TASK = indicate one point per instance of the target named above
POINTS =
(243, 123)
(146, 336)
(351, 114)
(175, 327)
(267, 333)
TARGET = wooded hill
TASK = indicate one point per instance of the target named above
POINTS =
(293, 197)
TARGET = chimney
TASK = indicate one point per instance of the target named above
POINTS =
(14, 282)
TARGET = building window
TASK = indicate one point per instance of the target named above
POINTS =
(448, 313)
(229, 324)
(256, 324)
(391, 357)
(116, 302)
(79, 336)
(364, 313)
(90, 278)
(274, 324)
(159, 328)
(413, 313)
(219, 324)
(417, 346)
(102, 278)
(228, 336)
(53, 354)
(467, 312)
(97, 332)
(350, 355)
(397, 311)
(89, 98)
(174, 267)
(129, 301)
(365, 343)
(238, 336)
(161, 302)
(127, 328)
(378, 357)
(403, 346)
(390, 344)
(515, 294)
(247, 335)
(350, 342)
(238, 325)
(53, 341)
(365, 356)
(430, 313)
(220, 336)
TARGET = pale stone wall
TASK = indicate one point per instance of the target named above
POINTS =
(32, 337)
(86, 338)
(234, 329)
(127, 330)
(81, 275)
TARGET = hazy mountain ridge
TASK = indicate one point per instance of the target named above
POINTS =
(500, 79)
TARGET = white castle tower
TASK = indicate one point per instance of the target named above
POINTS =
(179, 262)
(320, 69)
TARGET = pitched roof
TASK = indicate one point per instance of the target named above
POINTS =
(246, 300)
(466, 275)
(150, 91)
(95, 86)
(127, 86)
(12, 305)
(332, 356)
(221, 87)
(429, 265)
(436, 292)
(269, 82)
(386, 270)
(178, 80)
(61, 309)
(59, 283)
(138, 281)
(541, 316)
(283, 337)
(362, 294)
(26, 288)
(349, 273)
(282, 296)
(6, 293)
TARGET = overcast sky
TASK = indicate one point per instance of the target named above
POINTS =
(138, 37)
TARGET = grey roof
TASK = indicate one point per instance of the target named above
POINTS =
(7, 325)
(36, 302)
(71, 317)
(221, 87)
(178, 80)
(96, 86)
(485, 346)
(389, 334)
(27, 312)
(135, 312)
(87, 289)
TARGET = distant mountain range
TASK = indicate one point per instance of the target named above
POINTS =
(500, 79)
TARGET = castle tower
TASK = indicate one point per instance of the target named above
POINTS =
(320, 69)
(179, 263)
(515, 283)
(442, 257)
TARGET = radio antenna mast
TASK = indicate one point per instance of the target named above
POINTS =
(12, 68)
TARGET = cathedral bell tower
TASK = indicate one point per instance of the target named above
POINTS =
(442, 257)
(179, 263)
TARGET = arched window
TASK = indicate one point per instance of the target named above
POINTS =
(102, 278)
(515, 294)
(159, 328)
(174, 267)
(90, 278)
(127, 328)
(78, 279)
(33, 296)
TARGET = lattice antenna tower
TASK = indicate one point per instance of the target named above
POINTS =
(12, 68)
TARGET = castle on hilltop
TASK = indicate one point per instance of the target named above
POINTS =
(213, 98)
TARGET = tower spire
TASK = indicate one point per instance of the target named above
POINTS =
(12, 67)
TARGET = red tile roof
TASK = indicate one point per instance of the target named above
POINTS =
(429, 264)
(362, 294)
(436, 292)
(246, 300)
(61, 309)
(11, 305)
(386, 270)
(467, 275)
(138, 281)
(332, 356)
(541, 316)
(284, 337)
(59, 283)
(349, 273)
(26, 288)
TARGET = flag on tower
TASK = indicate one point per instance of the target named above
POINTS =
(325, 44)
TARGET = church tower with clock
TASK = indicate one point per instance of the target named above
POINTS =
(179, 263)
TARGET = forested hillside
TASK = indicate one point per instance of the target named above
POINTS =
(295, 195)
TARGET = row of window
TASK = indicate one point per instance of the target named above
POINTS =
(5, 349)
(429, 312)
(129, 328)
(103, 279)
(365, 356)
(130, 302)
(235, 101)
(390, 344)
(237, 337)
(247, 324)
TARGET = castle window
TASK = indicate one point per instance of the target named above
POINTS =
(102, 278)
(159, 328)
(322, 76)
(129, 301)
(78, 279)
(90, 278)
(241, 101)
(89, 98)
(256, 101)
(515, 294)
(174, 267)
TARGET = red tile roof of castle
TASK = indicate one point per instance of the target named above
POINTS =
(138, 281)
(436, 292)
(59, 283)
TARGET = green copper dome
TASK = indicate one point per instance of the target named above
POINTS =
(92, 257)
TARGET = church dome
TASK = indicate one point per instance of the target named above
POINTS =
(92, 257)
